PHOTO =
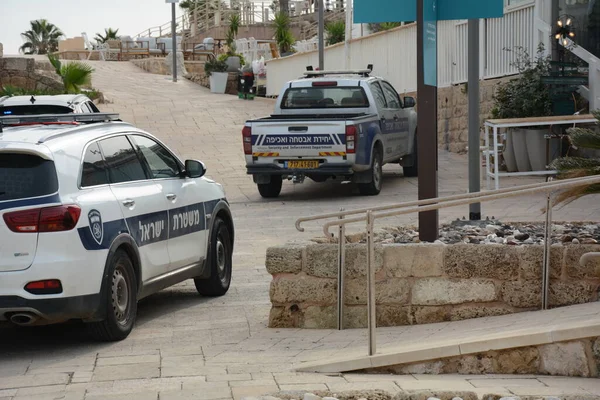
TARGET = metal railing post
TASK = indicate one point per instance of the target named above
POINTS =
(547, 248)
(340, 282)
(371, 314)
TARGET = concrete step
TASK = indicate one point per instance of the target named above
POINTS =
(562, 341)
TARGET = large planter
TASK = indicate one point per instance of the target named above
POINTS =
(233, 63)
(509, 152)
(218, 82)
(536, 148)
(520, 150)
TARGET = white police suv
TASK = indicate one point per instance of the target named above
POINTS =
(55, 104)
(96, 214)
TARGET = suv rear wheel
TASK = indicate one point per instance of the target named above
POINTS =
(219, 261)
(272, 189)
(121, 306)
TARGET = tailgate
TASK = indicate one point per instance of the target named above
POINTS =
(300, 139)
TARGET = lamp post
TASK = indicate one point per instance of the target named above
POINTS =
(174, 35)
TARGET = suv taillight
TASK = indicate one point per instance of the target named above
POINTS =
(350, 139)
(50, 219)
(247, 138)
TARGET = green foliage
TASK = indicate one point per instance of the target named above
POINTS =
(42, 38)
(74, 75)
(384, 26)
(577, 167)
(214, 65)
(283, 35)
(336, 32)
(109, 34)
(234, 24)
(224, 57)
(527, 95)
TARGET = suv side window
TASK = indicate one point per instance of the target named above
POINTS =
(379, 96)
(92, 107)
(160, 162)
(123, 163)
(94, 170)
(393, 100)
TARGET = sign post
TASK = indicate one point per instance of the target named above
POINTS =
(427, 13)
(174, 35)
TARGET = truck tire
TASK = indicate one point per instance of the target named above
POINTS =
(374, 187)
(272, 189)
(413, 170)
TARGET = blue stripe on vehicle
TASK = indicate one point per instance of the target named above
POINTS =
(335, 139)
(255, 139)
(153, 227)
(52, 199)
(342, 138)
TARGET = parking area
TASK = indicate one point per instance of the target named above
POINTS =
(185, 346)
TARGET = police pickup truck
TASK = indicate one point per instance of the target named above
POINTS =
(332, 124)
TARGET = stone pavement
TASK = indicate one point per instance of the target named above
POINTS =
(185, 346)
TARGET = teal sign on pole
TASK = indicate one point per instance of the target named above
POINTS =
(377, 11)
(430, 41)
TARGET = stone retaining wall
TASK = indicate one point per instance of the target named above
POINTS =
(28, 74)
(202, 80)
(423, 283)
(158, 65)
(573, 358)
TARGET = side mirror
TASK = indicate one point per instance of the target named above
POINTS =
(194, 169)
(409, 102)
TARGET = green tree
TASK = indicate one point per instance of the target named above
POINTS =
(283, 34)
(384, 26)
(336, 32)
(42, 38)
(74, 74)
(578, 167)
(109, 34)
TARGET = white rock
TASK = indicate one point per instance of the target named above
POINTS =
(457, 398)
(510, 398)
(310, 396)
(330, 398)
(528, 241)
(433, 398)
(492, 228)
(575, 241)
(499, 240)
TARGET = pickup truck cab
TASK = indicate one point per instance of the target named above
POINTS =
(332, 124)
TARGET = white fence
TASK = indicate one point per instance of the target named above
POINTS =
(394, 53)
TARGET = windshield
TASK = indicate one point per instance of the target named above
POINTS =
(324, 97)
(34, 109)
(25, 175)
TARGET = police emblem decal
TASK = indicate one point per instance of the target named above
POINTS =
(96, 227)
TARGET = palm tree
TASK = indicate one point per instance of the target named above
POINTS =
(577, 167)
(109, 34)
(74, 74)
(42, 38)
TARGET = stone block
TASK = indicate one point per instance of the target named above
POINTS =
(355, 317)
(481, 261)
(389, 291)
(321, 260)
(438, 291)
(468, 311)
(418, 260)
(285, 317)
(430, 314)
(572, 256)
(20, 82)
(564, 359)
(531, 261)
(392, 315)
(19, 64)
(524, 360)
(319, 317)
(284, 259)
(303, 289)
(441, 395)
(569, 293)
(596, 353)
(526, 294)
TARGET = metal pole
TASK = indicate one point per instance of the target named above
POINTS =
(348, 36)
(341, 262)
(174, 35)
(547, 248)
(371, 310)
(321, 35)
(474, 141)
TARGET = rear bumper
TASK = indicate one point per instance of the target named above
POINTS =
(51, 310)
(327, 169)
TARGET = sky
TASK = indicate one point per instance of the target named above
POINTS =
(75, 16)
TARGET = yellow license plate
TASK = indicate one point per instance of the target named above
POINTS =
(304, 164)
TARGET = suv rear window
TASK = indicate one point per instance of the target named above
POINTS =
(24, 175)
(35, 109)
(324, 97)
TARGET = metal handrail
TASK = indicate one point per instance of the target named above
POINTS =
(549, 188)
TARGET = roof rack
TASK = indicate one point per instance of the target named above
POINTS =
(57, 119)
(311, 73)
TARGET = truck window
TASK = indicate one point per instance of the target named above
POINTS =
(393, 100)
(379, 96)
(324, 97)
(34, 109)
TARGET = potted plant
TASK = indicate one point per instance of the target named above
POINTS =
(216, 70)
(234, 61)
(283, 35)
(524, 97)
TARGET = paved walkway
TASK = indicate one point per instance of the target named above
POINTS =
(188, 347)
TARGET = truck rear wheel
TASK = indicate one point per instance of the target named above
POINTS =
(374, 187)
(272, 189)
(413, 170)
